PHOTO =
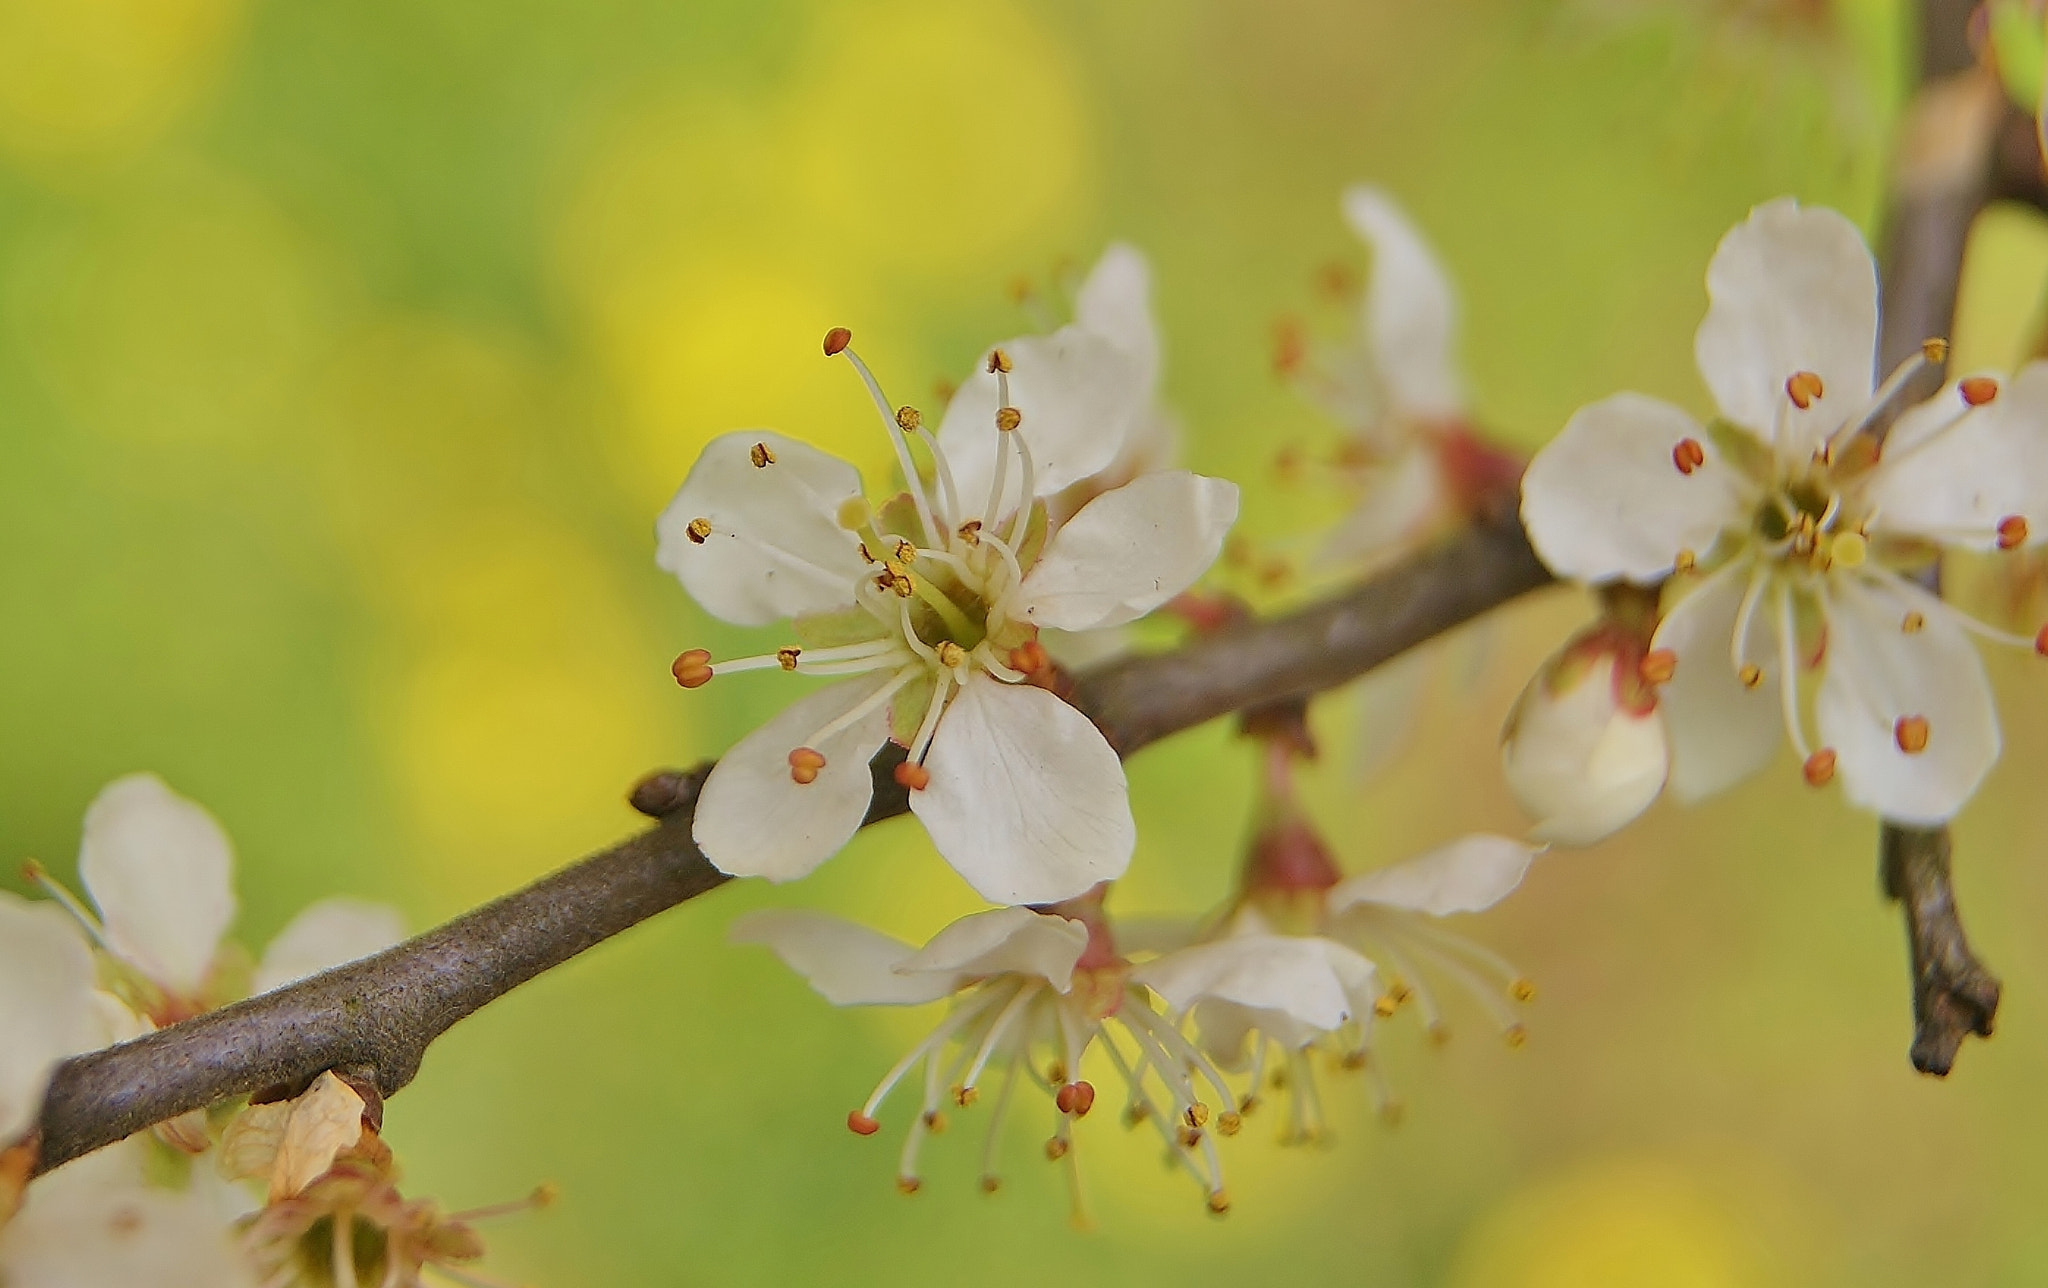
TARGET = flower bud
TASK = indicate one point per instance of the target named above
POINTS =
(1583, 750)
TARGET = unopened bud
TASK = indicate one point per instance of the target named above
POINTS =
(1584, 750)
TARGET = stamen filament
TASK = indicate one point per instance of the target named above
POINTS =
(1788, 662)
(867, 706)
(911, 478)
(929, 725)
(962, 1015)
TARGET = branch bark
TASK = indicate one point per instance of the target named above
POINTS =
(374, 1019)
(1958, 150)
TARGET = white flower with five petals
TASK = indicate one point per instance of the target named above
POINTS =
(1807, 512)
(98, 1223)
(47, 1010)
(930, 606)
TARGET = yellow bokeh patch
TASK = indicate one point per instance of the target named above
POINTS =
(84, 77)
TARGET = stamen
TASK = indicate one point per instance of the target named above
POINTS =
(786, 657)
(859, 712)
(1977, 390)
(36, 874)
(2041, 641)
(1029, 479)
(2012, 531)
(1029, 658)
(927, 727)
(699, 530)
(912, 778)
(692, 668)
(1803, 388)
(998, 363)
(1684, 561)
(1934, 350)
(1008, 418)
(1658, 666)
(861, 1125)
(1849, 549)
(1788, 662)
(836, 341)
(1911, 732)
(1914, 622)
(911, 478)
(1819, 767)
(804, 764)
(970, 532)
(761, 456)
(1738, 640)
(909, 419)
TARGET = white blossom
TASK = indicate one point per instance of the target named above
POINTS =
(1807, 521)
(1033, 993)
(47, 1009)
(928, 609)
(1584, 750)
(97, 1223)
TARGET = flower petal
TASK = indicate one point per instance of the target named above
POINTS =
(1400, 500)
(95, 1223)
(1080, 396)
(848, 964)
(1004, 941)
(1720, 731)
(161, 872)
(1605, 498)
(1128, 551)
(1411, 312)
(1116, 304)
(327, 934)
(1792, 288)
(1311, 981)
(1026, 800)
(775, 548)
(1953, 484)
(46, 1005)
(289, 1144)
(1470, 874)
(1877, 674)
(754, 820)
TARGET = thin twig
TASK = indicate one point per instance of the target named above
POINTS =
(378, 1016)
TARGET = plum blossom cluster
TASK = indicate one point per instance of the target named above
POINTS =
(1038, 519)
(1795, 537)
(297, 1191)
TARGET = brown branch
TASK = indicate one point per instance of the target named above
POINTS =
(376, 1018)
(1957, 151)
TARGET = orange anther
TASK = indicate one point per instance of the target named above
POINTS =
(1910, 732)
(1913, 622)
(861, 1125)
(1030, 657)
(804, 764)
(2012, 531)
(1977, 390)
(2041, 641)
(1688, 455)
(1008, 418)
(1803, 388)
(998, 361)
(1819, 767)
(912, 777)
(909, 419)
(761, 456)
(1076, 1098)
(700, 531)
(1658, 666)
(786, 657)
(693, 668)
(1751, 675)
(836, 341)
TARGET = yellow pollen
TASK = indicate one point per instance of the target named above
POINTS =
(908, 1184)
(1684, 561)
(1849, 549)
(905, 552)
(1188, 1137)
(990, 1184)
(935, 1122)
(1219, 1202)
(897, 582)
(1056, 1148)
(700, 531)
(1354, 1060)
(1934, 350)
(1386, 1005)
(1522, 991)
(970, 532)
(1439, 1034)
(998, 361)
(1658, 666)
(1803, 388)
(854, 514)
(786, 657)
(1056, 1073)
(1229, 1122)
(1516, 1035)
(761, 456)
(909, 419)
(1913, 623)
(1911, 734)
(950, 654)
(1134, 1115)
(1008, 418)
(1751, 675)
(1197, 1115)
(965, 1096)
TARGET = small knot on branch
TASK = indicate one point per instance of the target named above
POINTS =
(665, 791)
(1954, 994)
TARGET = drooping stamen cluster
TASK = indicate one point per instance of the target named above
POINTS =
(936, 605)
(1017, 1027)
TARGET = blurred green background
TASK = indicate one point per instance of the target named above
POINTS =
(347, 352)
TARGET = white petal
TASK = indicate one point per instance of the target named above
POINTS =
(1577, 759)
(327, 934)
(1116, 303)
(1946, 483)
(1470, 874)
(848, 964)
(1312, 981)
(161, 872)
(1026, 800)
(1005, 941)
(1877, 673)
(1720, 732)
(1128, 551)
(1400, 500)
(1606, 499)
(754, 820)
(776, 549)
(96, 1224)
(1411, 312)
(46, 1005)
(1791, 289)
(289, 1144)
(1080, 396)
